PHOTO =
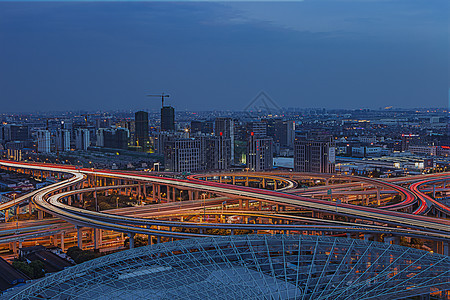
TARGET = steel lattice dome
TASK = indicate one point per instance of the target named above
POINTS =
(251, 267)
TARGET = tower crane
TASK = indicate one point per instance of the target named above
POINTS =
(162, 97)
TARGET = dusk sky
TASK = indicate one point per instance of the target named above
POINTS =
(212, 55)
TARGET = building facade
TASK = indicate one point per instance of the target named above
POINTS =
(82, 139)
(141, 129)
(183, 155)
(43, 141)
(225, 127)
(217, 153)
(63, 140)
(167, 118)
(259, 153)
(316, 156)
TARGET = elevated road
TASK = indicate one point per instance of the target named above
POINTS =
(84, 218)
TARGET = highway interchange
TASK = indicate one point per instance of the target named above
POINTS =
(387, 220)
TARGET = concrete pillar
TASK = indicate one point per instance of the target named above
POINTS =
(96, 236)
(158, 239)
(131, 239)
(6, 215)
(149, 236)
(55, 240)
(62, 241)
(20, 244)
(159, 193)
(154, 192)
(378, 196)
(79, 236)
(191, 195)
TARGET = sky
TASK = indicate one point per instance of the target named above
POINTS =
(59, 56)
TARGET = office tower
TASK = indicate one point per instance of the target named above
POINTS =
(205, 127)
(167, 118)
(196, 127)
(259, 153)
(14, 132)
(141, 128)
(19, 132)
(43, 141)
(113, 138)
(63, 140)
(217, 152)
(281, 131)
(290, 134)
(183, 155)
(130, 125)
(258, 128)
(225, 127)
(82, 139)
(316, 155)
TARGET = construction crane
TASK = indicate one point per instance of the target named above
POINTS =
(162, 97)
(87, 115)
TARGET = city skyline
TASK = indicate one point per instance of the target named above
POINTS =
(331, 54)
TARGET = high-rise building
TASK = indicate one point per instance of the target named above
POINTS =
(63, 140)
(14, 132)
(141, 128)
(281, 131)
(43, 141)
(217, 152)
(19, 132)
(183, 155)
(314, 155)
(167, 118)
(225, 127)
(196, 127)
(116, 138)
(206, 127)
(259, 153)
(82, 139)
(258, 128)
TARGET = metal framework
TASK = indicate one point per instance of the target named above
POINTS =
(251, 267)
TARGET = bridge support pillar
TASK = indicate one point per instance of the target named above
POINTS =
(378, 196)
(149, 236)
(154, 192)
(445, 248)
(191, 195)
(131, 239)
(158, 187)
(97, 239)
(79, 236)
(40, 214)
(62, 241)
(6, 215)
